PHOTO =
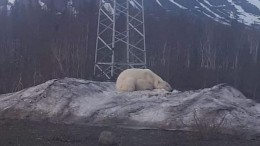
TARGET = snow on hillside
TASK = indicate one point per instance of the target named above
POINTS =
(98, 103)
(223, 11)
(180, 6)
(255, 3)
(11, 1)
(244, 16)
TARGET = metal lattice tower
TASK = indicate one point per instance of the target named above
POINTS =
(120, 37)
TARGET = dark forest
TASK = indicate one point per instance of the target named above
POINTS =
(189, 52)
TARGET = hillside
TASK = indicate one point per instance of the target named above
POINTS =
(75, 101)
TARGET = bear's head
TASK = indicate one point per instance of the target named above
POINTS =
(163, 85)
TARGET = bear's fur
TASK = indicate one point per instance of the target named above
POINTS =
(140, 79)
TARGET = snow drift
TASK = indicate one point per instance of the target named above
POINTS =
(98, 103)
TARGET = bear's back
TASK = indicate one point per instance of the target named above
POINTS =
(136, 73)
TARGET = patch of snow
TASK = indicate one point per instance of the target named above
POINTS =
(207, 2)
(217, 17)
(42, 4)
(255, 3)
(176, 91)
(177, 4)
(223, 13)
(88, 102)
(159, 3)
(135, 4)
(244, 17)
(11, 1)
(213, 18)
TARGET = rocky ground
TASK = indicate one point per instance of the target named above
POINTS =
(29, 133)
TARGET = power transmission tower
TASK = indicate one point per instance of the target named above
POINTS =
(120, 37)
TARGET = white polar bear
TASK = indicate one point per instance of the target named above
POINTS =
(140, 79)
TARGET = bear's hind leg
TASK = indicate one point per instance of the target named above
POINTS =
(128, 85)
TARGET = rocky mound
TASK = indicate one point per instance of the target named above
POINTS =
(78, 101)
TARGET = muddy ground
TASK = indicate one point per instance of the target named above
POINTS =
(31, 133)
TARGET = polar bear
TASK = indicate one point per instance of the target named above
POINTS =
(140, 79)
